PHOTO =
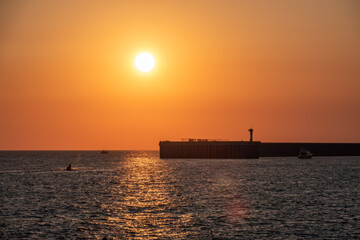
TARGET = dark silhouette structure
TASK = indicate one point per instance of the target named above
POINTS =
(204, 148)
(252, 149)
(209, 149)
(269, 149)
(251, 134)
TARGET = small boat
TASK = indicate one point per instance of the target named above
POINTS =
(104, 152)
(304, 154)
(69, 168)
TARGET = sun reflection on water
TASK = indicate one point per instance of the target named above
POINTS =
(145, 203)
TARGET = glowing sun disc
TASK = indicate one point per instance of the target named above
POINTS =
(144, 62)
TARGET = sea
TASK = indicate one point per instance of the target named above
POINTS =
(137, 195)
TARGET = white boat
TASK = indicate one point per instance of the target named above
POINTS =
(304, 154)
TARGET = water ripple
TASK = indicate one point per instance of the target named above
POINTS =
(136, 195)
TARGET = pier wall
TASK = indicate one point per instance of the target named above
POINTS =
(211, 149)
(247, 149)
(269, 149)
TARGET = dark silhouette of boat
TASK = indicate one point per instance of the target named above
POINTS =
(104, 152)
(69, 168)
(304, 153)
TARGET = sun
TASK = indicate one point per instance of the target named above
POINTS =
(144, 62)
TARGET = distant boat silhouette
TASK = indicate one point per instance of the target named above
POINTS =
(69, 168)
(304, 154)
(104, 152)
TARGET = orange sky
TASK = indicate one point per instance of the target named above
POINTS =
(289, 69)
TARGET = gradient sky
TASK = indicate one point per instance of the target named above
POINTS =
(289, 69)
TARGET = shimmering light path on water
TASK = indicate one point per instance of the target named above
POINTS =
(137, 195)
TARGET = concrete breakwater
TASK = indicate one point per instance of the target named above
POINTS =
(271, 149)
(251, 149)
(209, 149)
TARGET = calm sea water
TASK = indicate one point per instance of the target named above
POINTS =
(136, 195)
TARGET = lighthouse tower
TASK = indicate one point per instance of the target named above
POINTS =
(251, 134)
